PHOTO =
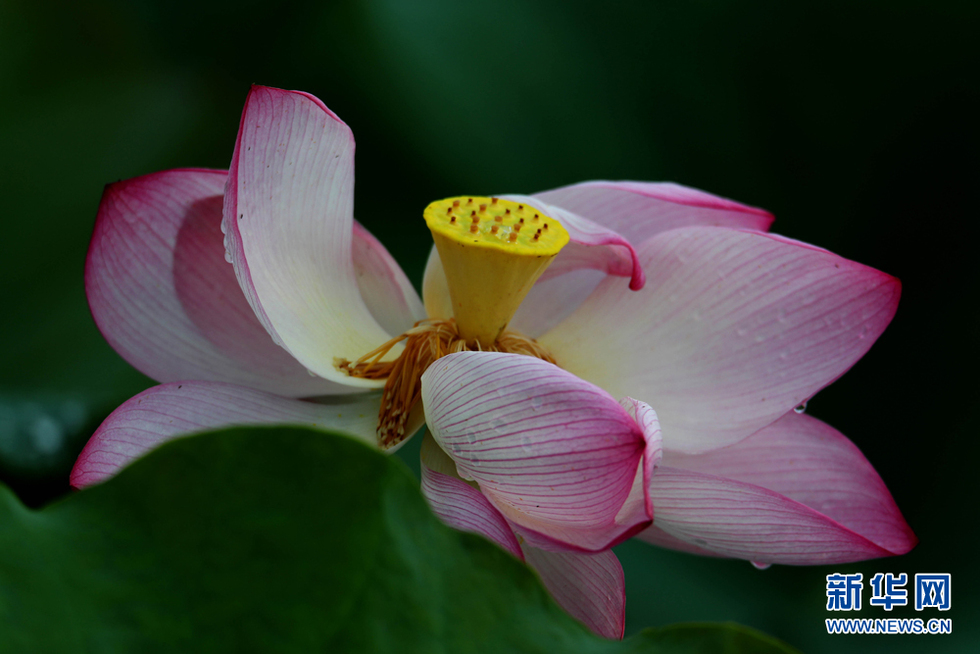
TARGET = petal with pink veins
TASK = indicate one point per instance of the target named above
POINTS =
(164, 297)
(812, 464)
(169, 411)
(632, 211)
(749, 522)
(555, 455)
(733, 329)
(459, 504)
(289, 225)
(590, 587)
(639, 210)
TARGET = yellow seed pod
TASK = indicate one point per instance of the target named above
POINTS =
(492, 250)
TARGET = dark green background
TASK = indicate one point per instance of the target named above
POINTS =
(855, 123)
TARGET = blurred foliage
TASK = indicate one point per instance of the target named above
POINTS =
(854, 122)
(336, 552)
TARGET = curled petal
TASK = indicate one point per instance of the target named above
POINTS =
(733, 330)
(164, 297)
(646, 418)
(288, 220)
(592, 246)
(460, 505)
(172, 410)
(557, 456)
(639, 210)
(590, 587)
(813, 464)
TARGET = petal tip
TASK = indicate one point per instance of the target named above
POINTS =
(277, 92)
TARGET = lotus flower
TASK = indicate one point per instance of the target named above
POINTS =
(722, 328)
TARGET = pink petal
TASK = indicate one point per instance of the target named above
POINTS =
(556, 455)
(164, 297)
(733, 329)
(813, 464)
(639, 210)
(634, 210)
(288, 219)
(168, 411)
(746, 521)
(460, 505)
(590, 587)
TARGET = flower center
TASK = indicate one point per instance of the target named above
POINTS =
(492, 250)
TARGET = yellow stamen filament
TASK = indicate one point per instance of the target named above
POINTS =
(426, 342)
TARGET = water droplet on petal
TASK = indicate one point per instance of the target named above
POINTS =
(311, 373)
(760, 566)
(536, 402)
(741, 331)
(801, 408)
(781, 316)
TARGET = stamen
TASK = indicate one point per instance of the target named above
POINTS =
(426, 342)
